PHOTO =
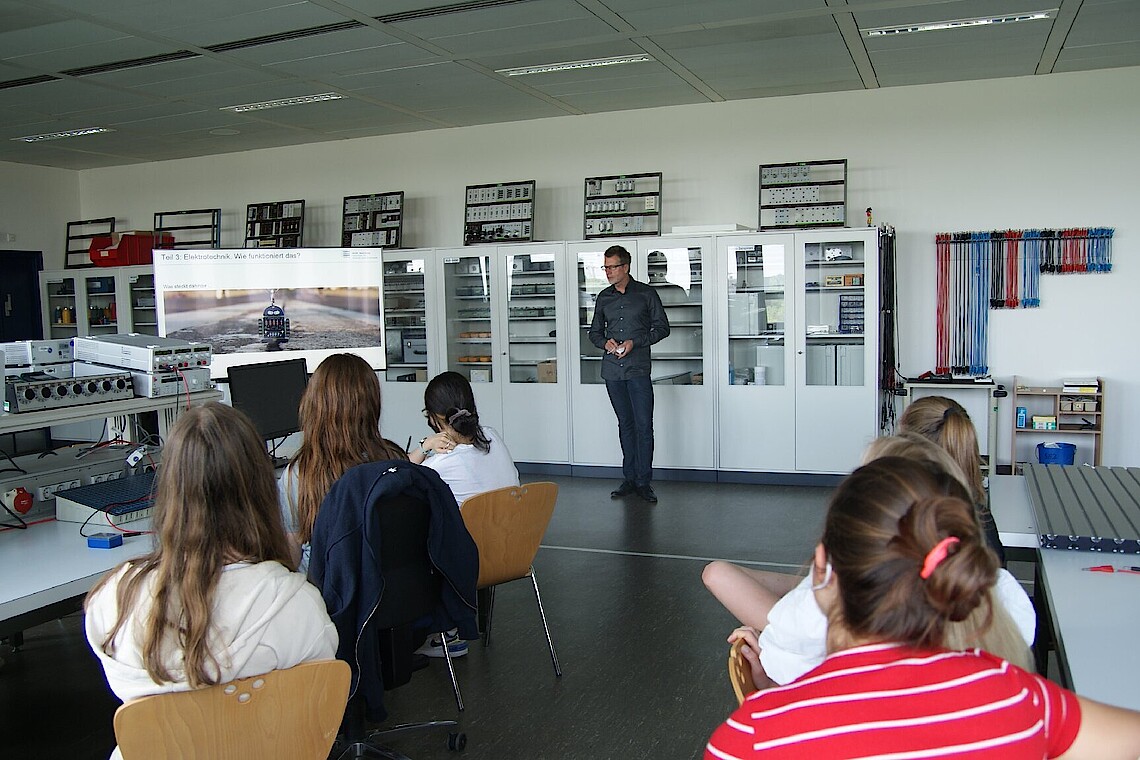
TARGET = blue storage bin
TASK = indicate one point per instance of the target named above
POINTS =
(1056, 453)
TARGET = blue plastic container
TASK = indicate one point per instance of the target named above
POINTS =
(1056, 453)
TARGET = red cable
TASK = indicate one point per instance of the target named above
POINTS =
(942, 306)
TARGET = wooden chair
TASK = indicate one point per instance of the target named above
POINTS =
(740, 672)
(292, 713)
(508, 525)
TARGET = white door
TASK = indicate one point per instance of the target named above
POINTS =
(836, 348)
(755, 374)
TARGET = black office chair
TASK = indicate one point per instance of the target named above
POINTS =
(392, 526)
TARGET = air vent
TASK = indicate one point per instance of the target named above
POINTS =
(27, 81)
(296, 34)
(133, 63)
(445, 10)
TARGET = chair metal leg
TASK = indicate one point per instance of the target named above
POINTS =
(489, 596)
(451, 670)
(545, 627)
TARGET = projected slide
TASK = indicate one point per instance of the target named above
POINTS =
(265, 305)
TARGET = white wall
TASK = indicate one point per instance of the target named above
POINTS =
(1050, 151)
(36, 203)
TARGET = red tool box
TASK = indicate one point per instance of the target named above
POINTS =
(123, 249)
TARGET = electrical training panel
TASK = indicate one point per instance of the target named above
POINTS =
(274, 225)
(499, 213)
(373, 221)
(622, 205)
(803, 195)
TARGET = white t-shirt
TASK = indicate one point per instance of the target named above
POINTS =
(795, 639)
(470, 471)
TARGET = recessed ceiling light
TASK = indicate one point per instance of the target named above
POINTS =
(588, 63)
(282, 102)
(961, 23)
(225, 132)
(61, 135)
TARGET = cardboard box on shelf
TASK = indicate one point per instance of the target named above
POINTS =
(548, 371)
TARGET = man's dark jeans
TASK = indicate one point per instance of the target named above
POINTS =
(632, 401)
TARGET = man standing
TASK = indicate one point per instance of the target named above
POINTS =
(628, 319)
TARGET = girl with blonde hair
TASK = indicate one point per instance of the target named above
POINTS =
(216, 599)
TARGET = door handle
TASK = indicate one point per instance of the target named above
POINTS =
(7, 304)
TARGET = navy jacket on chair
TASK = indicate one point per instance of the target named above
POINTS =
(345, 563)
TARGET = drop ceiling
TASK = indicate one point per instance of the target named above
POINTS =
(156, 72)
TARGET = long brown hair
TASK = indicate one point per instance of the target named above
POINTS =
(340, 419)
(215, 503)
(944, 421)
(883, 521)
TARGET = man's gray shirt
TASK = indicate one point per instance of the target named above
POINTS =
(636, 315)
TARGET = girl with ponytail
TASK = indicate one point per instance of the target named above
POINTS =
(470, 457)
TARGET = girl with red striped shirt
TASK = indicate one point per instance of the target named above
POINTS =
(901, 555)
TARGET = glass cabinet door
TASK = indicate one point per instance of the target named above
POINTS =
(62, 308)
(834, 318)
(467, 288)
(531, 318)
(141, 289)
(756, 276)
(591, 281)
(405, 321)
(676, 275)
(102, 309)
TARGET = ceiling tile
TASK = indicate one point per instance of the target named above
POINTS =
(1105, 23)
(64, 96)
(655, 15)
(185, 78)
(482, 31)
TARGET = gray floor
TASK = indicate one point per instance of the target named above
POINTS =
(640, 640)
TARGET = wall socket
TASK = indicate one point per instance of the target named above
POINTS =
(43, 493)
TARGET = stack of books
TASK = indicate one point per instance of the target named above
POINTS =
(1081, 385)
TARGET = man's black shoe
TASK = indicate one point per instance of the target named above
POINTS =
(646, 493)
(625, 489)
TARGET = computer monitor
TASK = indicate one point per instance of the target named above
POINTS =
(270, 394)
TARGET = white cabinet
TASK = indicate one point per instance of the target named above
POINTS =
(494, 315)
(770, 366)
(798, 349)
(98, 301)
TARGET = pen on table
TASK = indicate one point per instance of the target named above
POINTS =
(1131, 569)
(1100, 569)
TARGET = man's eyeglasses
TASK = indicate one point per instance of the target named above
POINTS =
(612, 267)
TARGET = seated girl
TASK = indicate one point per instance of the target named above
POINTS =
(469, 457)
(216, 599)
(340, 420)
(901, 557)
(797, 643)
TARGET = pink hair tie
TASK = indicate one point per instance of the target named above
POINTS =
(935, 556)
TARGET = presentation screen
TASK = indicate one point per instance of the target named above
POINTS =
(269, 304)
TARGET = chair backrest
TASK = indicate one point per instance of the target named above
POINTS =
(292, 713)
(507, 525)
(739, 672)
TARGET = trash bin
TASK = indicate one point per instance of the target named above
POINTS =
(1056, 453)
